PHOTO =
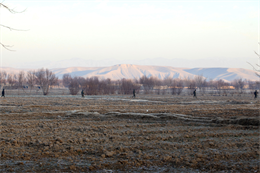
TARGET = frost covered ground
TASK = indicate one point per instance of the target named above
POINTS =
(118, 134)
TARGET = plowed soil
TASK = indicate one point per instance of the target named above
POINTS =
(122, 134)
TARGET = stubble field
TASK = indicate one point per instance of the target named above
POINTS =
(118, 134)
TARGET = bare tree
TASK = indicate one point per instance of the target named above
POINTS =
(31, 79)
(190, 84)
(127, 86)
(106, 86)
(148, 83)
(21, 80)
(180, 86)
(174, 87)
(219, 85)
(3, 76)
(199, 79)
(204, 85)
(12, 79)
(177, 86)
(137, 86)
(211, 86)
(238, 84)
(91, 86)
(167, 81)
(73, 83)
(74, 86)
(66, 79)
(45, 78)
(102, 87)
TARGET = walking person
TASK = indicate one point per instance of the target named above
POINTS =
(134, 93)
(3, 93)
(255, 93)
(194, 93)
(82, 93)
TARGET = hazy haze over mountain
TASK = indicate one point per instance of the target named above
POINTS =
(175, 62)
(130, 71)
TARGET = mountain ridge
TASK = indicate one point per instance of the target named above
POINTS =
(131, 71)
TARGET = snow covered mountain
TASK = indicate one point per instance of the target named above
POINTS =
(130, 71)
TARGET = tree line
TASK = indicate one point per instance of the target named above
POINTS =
(148, 85)
(44, 79)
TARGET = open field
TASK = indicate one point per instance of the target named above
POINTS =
(117, 134)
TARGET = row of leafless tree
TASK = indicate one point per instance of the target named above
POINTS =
(43, 78)
(95, 86)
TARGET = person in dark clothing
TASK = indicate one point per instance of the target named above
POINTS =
(194, 93)
(82, 93)
(3, 93)
(255, 93)
(134, 93)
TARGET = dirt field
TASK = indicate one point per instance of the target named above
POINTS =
(119, 134)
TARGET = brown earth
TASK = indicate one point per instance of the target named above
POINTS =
(119, 134)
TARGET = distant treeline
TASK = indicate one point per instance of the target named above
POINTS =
(44, 79)
(148, 85)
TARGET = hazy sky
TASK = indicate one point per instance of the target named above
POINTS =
(131, 30)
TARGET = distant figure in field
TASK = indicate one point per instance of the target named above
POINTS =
(3, 93)
(255, 93)
(194, 93)
(134, 93)
(82, 93)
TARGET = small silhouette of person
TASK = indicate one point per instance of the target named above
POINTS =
(133, 93)
(82, 93)
(194, 93)
(3, 93)
(255, 93)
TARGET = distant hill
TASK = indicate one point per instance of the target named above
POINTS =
(130, 71)
(11, 70)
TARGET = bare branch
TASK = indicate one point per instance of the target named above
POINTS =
(11, 10)
(253, 66)
(257, 54)
(6, 46)
(257, 71)
(12, 28)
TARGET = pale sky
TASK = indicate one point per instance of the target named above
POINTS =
(100, 30)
